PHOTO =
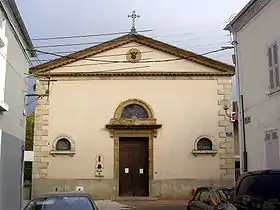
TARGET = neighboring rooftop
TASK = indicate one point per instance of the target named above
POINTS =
(12, 7)
(246, 14)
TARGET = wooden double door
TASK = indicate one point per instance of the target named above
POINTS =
(133, 167)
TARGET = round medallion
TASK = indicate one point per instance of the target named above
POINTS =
(133, 55)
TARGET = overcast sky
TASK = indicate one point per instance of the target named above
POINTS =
(196, 25)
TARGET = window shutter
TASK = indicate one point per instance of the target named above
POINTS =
(277, 78)
(271, 79)
(269, 57)
(267, 136)
(275, 54)
(274, 134)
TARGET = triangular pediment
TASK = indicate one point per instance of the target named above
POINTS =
(113, 56)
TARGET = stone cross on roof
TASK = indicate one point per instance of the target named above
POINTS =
(133, 16)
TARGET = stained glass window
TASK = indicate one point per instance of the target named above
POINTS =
(134, 111)
(63, 145)
(204, 144)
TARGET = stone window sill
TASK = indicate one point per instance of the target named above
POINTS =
(274, 91)
(4, 107)
(204, 152)
(70, 153)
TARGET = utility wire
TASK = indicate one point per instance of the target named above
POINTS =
(120, 54)
(151, 61)
(100, 42)
(139, 67)
(65, 52)
(14, 69)
(37, 98)
(99, 56)
(118, 33)
(89, 35)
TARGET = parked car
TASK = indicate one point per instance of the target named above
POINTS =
(229, 192)
(62, 201)
(209, 198)
(258, 190)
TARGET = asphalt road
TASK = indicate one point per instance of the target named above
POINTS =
(157, 205)
(168, 207)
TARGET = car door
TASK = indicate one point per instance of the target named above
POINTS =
(204, 200)
(200, 200)
(194, 202)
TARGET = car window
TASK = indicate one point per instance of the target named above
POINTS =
(204, 196)
(265, 186)
(197, 195)
(61, 202)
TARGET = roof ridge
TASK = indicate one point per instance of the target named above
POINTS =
(126, 39)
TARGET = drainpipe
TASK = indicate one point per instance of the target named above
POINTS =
(240, 102)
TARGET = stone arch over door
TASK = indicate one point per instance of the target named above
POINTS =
(138, 126)
(139, 102)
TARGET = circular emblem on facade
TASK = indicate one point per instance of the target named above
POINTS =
(133, 55)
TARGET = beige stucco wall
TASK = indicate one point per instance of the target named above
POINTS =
(91, 104)
(253, 41)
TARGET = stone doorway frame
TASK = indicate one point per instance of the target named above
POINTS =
(127, 133)
(133, 128)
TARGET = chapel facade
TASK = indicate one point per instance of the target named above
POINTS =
(132, 117)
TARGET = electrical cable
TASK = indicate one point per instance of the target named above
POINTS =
(92, 43)
(89, 35)
(166, 60)
(37, 98)
(23, 79)
(119, 33)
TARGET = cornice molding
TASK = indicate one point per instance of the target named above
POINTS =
(131, 74)
(248, 14)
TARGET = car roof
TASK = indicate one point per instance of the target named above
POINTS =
(274, 171)
(213, 188)
(260, 172)
(52, 194)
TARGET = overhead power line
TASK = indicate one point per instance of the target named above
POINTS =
(146, 61)
(14, 69)
(89, 35)
(94, 43)
(120, 54)
(31, 102)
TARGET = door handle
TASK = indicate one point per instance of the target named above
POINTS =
(141, 171)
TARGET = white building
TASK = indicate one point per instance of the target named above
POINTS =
(14, 64)
(256, 34)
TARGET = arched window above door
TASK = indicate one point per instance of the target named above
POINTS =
(133, 115)
(133, 111)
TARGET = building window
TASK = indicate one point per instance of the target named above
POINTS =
(63, 145)
(134, 111)
(274, 77)
(272, 152)
(204, 144)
